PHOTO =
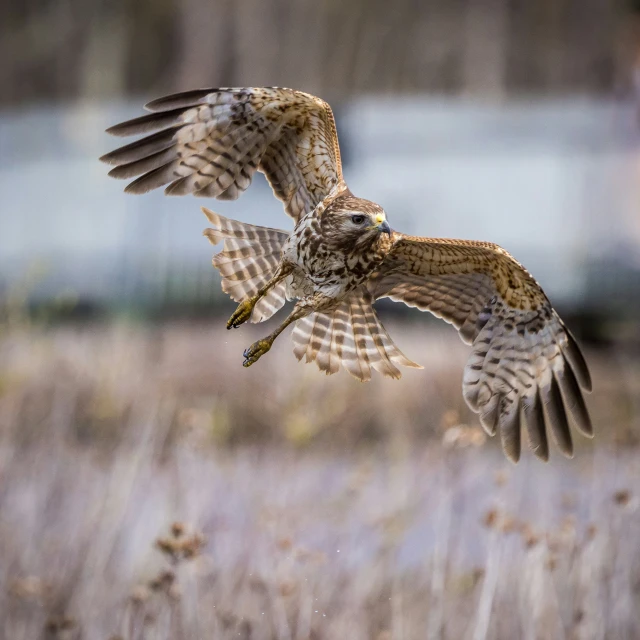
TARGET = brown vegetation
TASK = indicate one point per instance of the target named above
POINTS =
(152, 488)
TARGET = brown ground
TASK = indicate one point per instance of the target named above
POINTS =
(312, 507)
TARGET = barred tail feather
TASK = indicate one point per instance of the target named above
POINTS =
(249, 259)
(352, 336)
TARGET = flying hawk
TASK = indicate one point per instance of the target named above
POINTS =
(342, 256)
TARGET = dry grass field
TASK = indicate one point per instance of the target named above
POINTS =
(152, 488)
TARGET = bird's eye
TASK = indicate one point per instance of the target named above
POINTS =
(357, 219)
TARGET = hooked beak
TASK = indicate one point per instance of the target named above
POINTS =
(384, 227)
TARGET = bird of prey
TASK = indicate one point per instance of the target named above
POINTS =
(342, 256)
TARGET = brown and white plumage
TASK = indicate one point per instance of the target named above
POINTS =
(523, 357)
(349, 335)
(249, 258)
(210, 142)
(342, 256)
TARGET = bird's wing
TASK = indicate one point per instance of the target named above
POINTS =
(210, 142)
(523, 356)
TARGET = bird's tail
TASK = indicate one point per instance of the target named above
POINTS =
(249, 258)
(350, 335)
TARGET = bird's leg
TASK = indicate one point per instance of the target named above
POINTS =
(260, 347)
(245, 308)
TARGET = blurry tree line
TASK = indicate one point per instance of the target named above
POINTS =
(96, 49)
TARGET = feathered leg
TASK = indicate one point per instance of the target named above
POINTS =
(250, 266)
(260, 347)
(245, 308)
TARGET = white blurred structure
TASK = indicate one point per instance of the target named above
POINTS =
(555, 183)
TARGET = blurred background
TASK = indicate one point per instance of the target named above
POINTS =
(150, 487)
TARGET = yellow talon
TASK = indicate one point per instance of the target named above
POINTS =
(242, 313)
(256, 350)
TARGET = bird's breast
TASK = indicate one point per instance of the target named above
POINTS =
(322, 267)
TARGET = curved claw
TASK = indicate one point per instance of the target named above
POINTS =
(242, 313)
(256, 351)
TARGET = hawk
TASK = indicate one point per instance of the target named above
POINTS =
(342, 256)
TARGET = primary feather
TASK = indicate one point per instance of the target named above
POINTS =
(523, 358)
(210, 142)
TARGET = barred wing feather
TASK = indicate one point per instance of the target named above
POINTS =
(524, 361)
(210, 143)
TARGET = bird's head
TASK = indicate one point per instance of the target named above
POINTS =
(353, 223)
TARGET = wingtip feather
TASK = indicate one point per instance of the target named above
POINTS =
(573, 354)
(512, 456)
(148, 123)
(107, 158)
(137, 187)
(181, 99)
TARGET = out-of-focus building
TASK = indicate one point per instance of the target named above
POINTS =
(554, 182)
(505, 120)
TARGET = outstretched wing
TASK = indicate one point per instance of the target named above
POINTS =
(210, 142)
(523, 356)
